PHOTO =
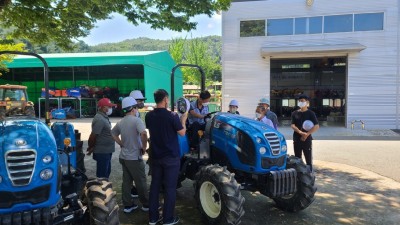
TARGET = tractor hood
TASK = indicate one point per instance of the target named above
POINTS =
(248, 125)
(24, 133)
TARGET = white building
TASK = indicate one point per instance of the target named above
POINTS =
(343, 54)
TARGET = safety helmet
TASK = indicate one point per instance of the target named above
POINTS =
(264, 101)
(128, 102)
(234, 102)
(136, 94)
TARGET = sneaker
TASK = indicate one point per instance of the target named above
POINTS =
(128, 209)
(145, 208)
(134, 193)
(173, 222)
(155, 222)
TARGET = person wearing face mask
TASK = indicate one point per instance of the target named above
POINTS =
(197, 112)
(127, 133)
(164, 127)
(302, 138)
(261, 112)
(269, 114)
(100, 141)
(233, 107)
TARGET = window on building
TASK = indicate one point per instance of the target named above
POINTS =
(368, 21)
(308, 25)
(339, 23)
(280, 27)
(251, 28)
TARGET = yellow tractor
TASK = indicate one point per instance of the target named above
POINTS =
(14, 101)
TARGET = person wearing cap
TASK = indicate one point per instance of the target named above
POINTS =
(197, 112)
(127, 133)
(164, 127)
(261, 112)
(100, 141)
(269, 114)
(233, 107)
(302, 139)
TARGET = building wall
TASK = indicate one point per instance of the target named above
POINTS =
(373, 73)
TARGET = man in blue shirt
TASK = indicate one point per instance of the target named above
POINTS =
(164, 127)
(197, 112)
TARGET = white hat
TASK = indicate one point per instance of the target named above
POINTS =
(128, 102)
(264, 101)
(234, 102)
(136, 94)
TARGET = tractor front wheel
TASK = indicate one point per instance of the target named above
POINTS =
(218, 196)
(101, 202)
(306, 189)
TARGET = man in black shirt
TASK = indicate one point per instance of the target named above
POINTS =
(304, 123)
(164, 127)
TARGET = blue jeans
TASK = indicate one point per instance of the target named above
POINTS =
(103, 168)
(164, 172)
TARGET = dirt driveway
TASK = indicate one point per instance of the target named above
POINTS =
(346, 195)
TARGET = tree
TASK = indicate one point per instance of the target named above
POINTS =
(63, 21)
(5, 58)
(198, 52)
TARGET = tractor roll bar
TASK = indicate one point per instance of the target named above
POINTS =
(203, 80)
(46, 78)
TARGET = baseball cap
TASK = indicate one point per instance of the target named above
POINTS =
(303, 96)
(105, 102)
(136, 94)
(128, 102)
(234, 103)
(264, 101)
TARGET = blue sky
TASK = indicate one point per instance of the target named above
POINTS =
(119, 29)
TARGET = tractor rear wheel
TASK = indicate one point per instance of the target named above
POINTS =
(101, 202)
(218, 196)
(30, 111)
(306, 189)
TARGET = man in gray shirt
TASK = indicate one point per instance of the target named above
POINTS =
(126, 133)
(100, 142)
(270, 115)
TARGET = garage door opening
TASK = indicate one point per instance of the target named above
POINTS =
(322, 79)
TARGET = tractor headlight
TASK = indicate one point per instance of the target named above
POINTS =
(258, 140)
(284, 148)
(47, 159)
(281, 138)
(262, 150)
(46, 174)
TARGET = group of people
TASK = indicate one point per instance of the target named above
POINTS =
(164, 127)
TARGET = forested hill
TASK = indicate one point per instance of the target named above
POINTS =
(137, 44)
(147, 44)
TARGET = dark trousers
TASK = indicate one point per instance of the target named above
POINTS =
(306, 148)
(164, 172)
(103, 164)
(194, 136)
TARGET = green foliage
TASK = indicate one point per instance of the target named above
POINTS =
(205, 53)
(5, 58)
(63, 21)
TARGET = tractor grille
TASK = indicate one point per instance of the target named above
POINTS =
(274, 143)
(20, 166)
(267, 163)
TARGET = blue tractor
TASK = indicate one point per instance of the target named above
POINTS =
(39, 179)
(238, 153)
